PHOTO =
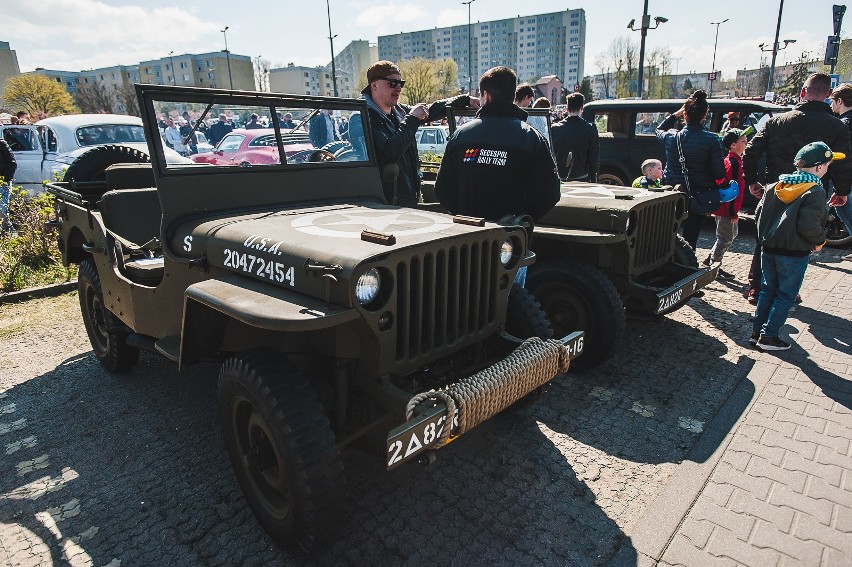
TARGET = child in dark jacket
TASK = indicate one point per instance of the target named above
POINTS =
(791, 221)
(727, 214)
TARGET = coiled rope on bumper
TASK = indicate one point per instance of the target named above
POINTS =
(479, 397)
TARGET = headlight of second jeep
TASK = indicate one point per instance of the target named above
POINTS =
(507, 252)
(367, 286)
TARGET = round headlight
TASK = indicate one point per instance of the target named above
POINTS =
(507, 251)
(367, 287)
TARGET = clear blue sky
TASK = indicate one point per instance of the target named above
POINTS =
(84, 34)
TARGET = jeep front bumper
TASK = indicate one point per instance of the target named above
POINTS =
(475, 399)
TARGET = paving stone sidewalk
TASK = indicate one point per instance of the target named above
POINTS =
(778, 488)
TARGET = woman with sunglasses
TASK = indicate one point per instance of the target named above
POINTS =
(394, 126)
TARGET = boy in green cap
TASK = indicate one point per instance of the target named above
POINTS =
(791, 219)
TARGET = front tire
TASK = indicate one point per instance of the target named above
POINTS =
(578, 297)
(282, 448)
(106, 332)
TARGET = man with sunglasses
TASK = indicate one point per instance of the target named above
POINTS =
(394, 126)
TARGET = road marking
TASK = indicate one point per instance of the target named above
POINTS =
(643, 409)
(14, 426)
(25, 467)
(693, 425)
(45, 485)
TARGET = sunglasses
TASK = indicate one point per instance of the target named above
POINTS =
(393, 83)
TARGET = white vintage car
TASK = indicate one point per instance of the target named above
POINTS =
(46, 149)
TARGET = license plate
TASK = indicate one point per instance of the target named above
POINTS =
(413, 437)
(683, 289)
(574, 343)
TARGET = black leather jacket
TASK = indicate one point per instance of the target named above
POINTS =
(8, 165)
(496, 165)
(576, 137)
(702, 151)
(784, 135)
(396, 148)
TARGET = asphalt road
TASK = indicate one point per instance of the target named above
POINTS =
(131, 470)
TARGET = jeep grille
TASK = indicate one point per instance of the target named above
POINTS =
(654, 234)
(445, 296)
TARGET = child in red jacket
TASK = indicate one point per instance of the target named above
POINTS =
(734, 142)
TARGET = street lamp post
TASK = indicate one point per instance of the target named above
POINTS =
(331, 44)
(775, 48)
(228, 57)
(469, 49)
(171, 56)
(715, 44)
(646, 25)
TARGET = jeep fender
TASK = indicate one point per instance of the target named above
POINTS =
(256, 304)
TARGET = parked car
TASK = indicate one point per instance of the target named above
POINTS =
(340, 320)
(254, 147)
(627, 130)
(431, 143)
(45, 150)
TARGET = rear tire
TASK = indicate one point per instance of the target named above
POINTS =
(282, 448)
(611, 178)
(106, 332)
(579, 297)
(92, 165)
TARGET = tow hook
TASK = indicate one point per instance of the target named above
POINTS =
(427, 457)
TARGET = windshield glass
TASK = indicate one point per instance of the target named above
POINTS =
(109, 134)
(263, 136)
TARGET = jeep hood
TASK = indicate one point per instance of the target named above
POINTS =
(598, 207)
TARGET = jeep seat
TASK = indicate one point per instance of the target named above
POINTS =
(132, 218)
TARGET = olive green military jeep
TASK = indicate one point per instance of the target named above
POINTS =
(339, 319)
(602, 249)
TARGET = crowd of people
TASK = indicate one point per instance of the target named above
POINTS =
(498, 164)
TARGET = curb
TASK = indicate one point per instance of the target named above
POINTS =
(656, 529)
(51, 290)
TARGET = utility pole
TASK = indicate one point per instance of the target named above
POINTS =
(228, 57)
(469, 50)
(644, 27)
(331, 44)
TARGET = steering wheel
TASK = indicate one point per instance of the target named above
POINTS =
(321, 155)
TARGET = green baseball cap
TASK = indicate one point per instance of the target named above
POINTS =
(816, 153)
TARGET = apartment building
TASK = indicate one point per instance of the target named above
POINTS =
(534, 46)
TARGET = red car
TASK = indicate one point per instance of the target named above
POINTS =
(255, 147)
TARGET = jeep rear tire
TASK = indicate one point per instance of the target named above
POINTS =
(92, 165)
(579, 297)
(282, 448)
(524, 316)
(106, 332)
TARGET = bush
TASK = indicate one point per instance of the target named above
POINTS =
(29, 256)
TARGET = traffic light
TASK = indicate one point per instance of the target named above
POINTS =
(832, 47)
(838, 10)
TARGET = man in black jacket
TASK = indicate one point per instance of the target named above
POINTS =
(497, 164)
(575, 143)
(783, 135)
(394, 126)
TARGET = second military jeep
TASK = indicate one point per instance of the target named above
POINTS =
(339, 319)
(602, 249)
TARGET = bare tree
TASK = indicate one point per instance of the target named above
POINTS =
(631, 58)
(261, 73)
(658, 60)
(622, 55)
(126, 96)
(95, 98)
(602, 64)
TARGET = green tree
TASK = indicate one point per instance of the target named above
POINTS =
(428, 79)
(38, 94)
(794, 82)
(586, 89)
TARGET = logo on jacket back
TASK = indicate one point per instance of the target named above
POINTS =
(485, 157)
